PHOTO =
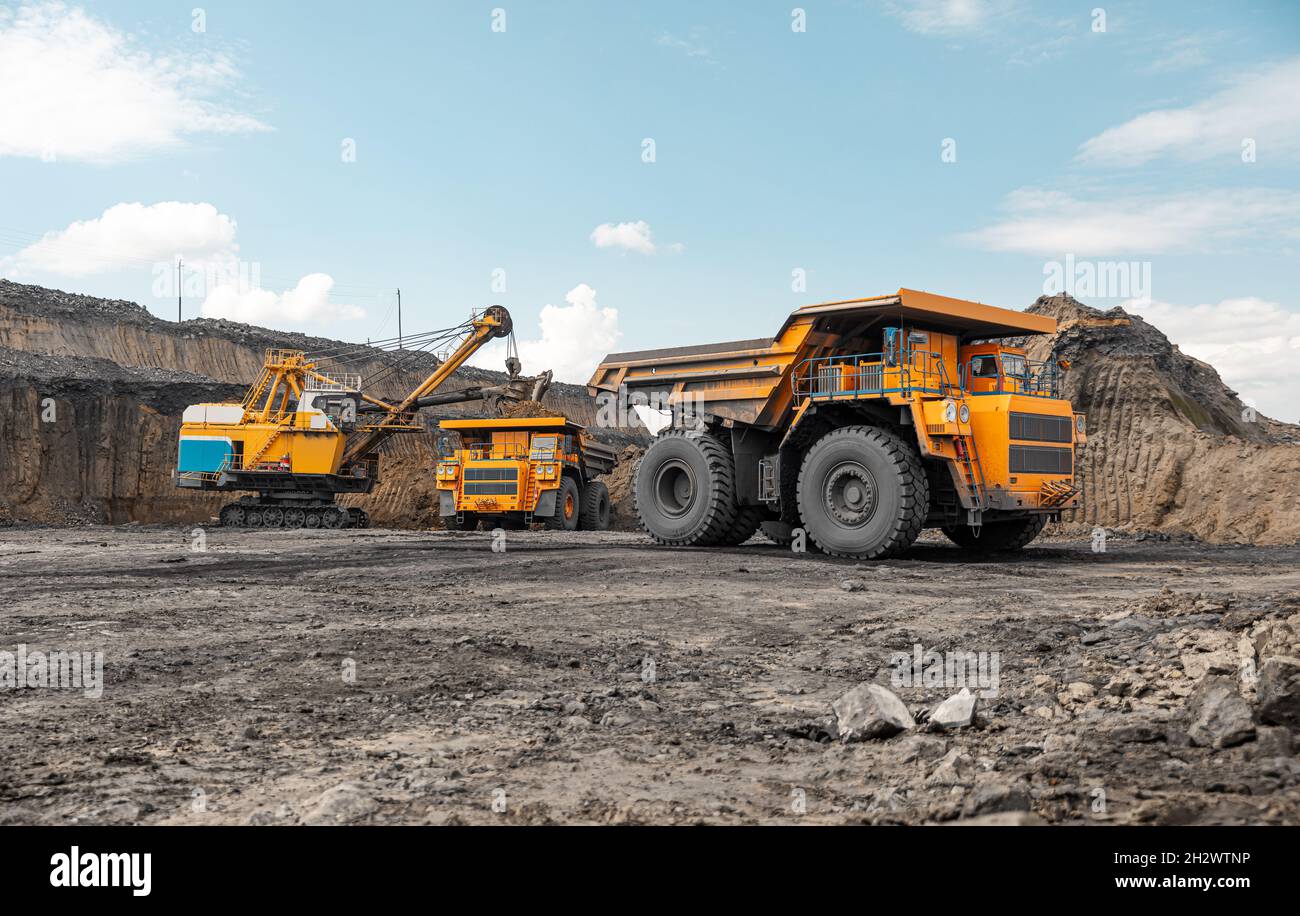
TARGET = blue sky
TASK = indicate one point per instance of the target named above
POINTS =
(775, 150)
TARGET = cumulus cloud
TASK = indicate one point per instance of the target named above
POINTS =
(1253, 343)
(308, 301)
(1263, 105)
(573, 339)
(1050, 223)
(75, 87)
(130, 235)
(628, 236)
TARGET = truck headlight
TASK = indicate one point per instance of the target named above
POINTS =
(1078, 422)
(950, 412)
(964, 413)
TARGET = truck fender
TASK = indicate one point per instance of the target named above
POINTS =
(545, 504)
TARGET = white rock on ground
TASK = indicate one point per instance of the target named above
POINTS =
(957, 711)
(870, 711)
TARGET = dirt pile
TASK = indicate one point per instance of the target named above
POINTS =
(622, 508)
(1170, 447)
(529, 409)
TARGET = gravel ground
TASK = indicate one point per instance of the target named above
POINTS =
(406, 677)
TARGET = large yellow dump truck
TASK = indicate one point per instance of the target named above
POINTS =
(861, 422)
(516, 470)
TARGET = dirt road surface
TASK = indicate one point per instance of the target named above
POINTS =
(407, 677)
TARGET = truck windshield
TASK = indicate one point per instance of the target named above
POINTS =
(543, 448)
(984, 367)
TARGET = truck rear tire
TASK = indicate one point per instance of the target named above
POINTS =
(863, 493)
(748, 518)
(568, 502)
(595, 507)
(997, 537)
(685, 490)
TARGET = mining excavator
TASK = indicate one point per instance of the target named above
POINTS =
(307, 431)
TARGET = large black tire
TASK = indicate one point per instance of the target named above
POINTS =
(997, 537)
(568, 506)
(595, 507)
(863, 493)
(685, 490)
(748, 518)
(468, 521)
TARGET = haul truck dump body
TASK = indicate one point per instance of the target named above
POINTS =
(861, 422)
(513, 471)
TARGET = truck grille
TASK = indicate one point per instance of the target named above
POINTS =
(1036, 459)
(491, 489)
(1038, 427)
(491, 473)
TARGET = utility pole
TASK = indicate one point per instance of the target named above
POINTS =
(180, 287)
(399, 319)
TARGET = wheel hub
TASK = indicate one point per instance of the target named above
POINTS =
(674, 488)
(850, 494)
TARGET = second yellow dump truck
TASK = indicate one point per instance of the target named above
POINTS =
(513, 471)
(861, 422)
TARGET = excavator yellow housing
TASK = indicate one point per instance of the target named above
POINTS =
(859, 423)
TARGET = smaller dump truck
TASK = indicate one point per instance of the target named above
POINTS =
(511, 472)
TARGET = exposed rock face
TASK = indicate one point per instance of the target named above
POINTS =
(1168, 448)
(119, 378)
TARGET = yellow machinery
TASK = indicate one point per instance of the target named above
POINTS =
(861, 422)
(510, 472)
(304, 434)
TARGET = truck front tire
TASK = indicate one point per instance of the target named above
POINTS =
(685, 490)
(568, 506)
(863, 493)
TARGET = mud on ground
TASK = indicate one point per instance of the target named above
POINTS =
(594, 678)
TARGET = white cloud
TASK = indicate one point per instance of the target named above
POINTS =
(1263, 105)
(75, 87)
(574, 339)
(308, 301)
(628, 236)
(947, 17)
(1052, 223)
(631, 237)
(131, 235)
(1252, 342)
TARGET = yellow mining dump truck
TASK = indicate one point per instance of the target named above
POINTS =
(861, 422)
(513, 471)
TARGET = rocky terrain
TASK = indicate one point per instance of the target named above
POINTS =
(318, 677)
